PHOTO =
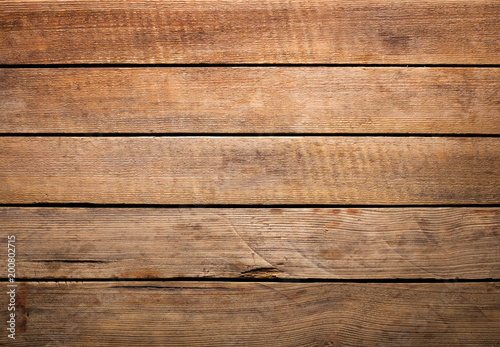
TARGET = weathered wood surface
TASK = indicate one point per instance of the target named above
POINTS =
(250, 170)
(250, 31)
(368, 243)
(256, 314)
(250, 100)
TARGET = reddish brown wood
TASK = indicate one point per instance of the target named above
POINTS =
(250, 31)
(250, 170)
(251, 100)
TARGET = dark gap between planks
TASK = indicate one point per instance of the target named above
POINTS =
(125, 205)
(89, 65)
(245, 280)
(241, 135)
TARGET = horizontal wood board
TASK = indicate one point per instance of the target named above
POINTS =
(289, 274)
(291, 243)
(250, 170)
(251, 100)
(250, 31)
(256, 314)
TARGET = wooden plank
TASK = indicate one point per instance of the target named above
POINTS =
(250, 170)
(256, 314)
(250, 100)
(368, 243)
(250, 31)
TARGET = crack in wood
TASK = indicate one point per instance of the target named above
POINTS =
(70, 261)
(261, 272)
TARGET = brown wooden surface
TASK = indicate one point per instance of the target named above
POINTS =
(250, 31)
(256, 314)
(368, 243)
(251, 100)
(250, 170)
(276, 270)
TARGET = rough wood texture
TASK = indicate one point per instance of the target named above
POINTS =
(250, 170)
(251, 100)
(256, 314)
(86, 243)
(250, 31)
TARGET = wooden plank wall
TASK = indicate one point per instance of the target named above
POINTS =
(251, 172)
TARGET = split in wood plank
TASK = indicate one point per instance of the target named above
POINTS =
(297, 243)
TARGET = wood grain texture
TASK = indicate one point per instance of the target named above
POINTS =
(250, 170)
(368, 243)
(250, 100)
(250, 31)
(256, 314)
